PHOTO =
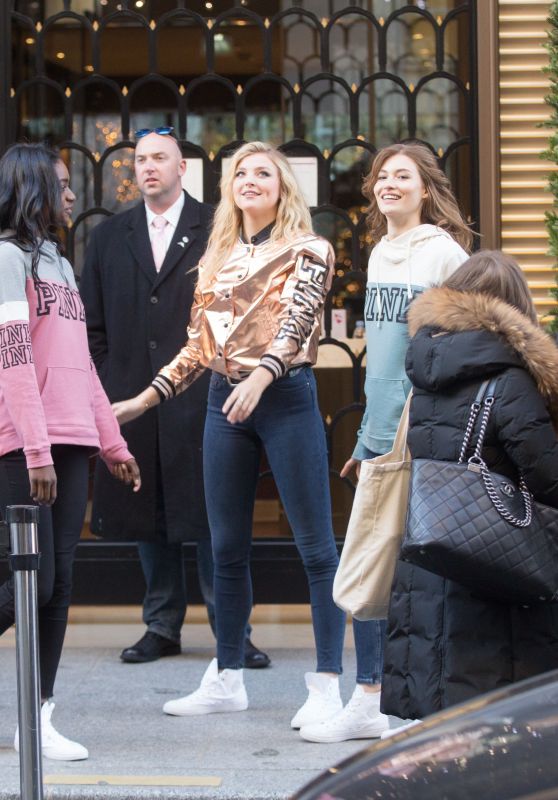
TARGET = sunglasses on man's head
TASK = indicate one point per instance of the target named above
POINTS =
(164, 130)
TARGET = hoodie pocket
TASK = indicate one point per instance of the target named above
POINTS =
(67, 398)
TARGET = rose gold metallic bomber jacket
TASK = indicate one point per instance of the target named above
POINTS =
(263, 308)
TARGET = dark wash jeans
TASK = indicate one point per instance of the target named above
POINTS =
(287, 423)
(166, 596)
(166, 593)
(59, 532)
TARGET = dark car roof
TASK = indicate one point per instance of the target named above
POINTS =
(499, 746)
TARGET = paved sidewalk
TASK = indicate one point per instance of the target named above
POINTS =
(115, 711)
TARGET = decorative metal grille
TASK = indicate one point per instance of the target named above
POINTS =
(329, 83)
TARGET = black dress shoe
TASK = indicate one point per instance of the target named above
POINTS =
(150, 647)
(254, 658)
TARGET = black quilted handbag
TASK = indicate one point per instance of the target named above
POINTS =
(479, 529)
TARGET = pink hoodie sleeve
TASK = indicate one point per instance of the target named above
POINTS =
(18, 380)
(113, 446)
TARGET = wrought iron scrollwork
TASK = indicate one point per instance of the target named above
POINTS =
(329, 82)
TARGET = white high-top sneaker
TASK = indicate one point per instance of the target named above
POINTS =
(218, 692)
(360, 719)
(323, 700)
(54, 745)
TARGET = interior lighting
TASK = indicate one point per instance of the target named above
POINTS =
(209, 5)
(104, 2)
(29, 40)
(60, 55)
(139, 3)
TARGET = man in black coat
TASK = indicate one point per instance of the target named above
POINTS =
(137, 287)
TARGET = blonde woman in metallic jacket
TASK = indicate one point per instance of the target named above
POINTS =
(255, 323)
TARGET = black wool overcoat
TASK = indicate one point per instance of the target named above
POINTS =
(136, 322)
(445, 645)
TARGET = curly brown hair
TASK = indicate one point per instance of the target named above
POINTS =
(439, 207)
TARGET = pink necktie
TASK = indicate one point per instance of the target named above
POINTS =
(158, 241)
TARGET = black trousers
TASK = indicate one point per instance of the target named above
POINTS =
(59, 531)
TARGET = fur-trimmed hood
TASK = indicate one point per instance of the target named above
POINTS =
(500, 337)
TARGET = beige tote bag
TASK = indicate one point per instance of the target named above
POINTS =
(363, 580)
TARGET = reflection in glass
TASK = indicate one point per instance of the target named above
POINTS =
(325, 114)
(211, 116)
(239, 48)
(334, 227)
(124, 51)
(181, 49)
(382, 110)
(96, 118)
(119, 186)
(153, 104)
(411, 47)
(458, 168)
(348, 168)
(24, 39)
(353, 48)
(67, 51)
(40, 114)
(297, 55)
(268, 113)
(438, 118)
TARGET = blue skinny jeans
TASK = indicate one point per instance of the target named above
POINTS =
(288, 425)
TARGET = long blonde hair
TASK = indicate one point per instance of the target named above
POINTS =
(439, 207)
(293, 217)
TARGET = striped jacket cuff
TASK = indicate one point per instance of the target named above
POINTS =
(274, 365)
(163, 387)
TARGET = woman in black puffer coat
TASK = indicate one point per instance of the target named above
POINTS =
(444, 645)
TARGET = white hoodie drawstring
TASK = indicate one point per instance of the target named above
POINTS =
(379, 296)
(379, 300)
(408, 258)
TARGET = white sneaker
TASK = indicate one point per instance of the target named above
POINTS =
(360, 719)
(218, 692)
(323, 700)
(409, 723)
(54, 745)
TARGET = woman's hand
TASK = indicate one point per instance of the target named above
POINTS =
(352, 462)
(128, 472)
(127, 410)
(246, 395)
(42, 485)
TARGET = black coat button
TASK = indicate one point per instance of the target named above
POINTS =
(153, 299)
(153, 345)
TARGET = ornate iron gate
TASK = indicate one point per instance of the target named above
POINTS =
(328, 82)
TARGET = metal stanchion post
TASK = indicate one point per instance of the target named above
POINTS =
(24, 563)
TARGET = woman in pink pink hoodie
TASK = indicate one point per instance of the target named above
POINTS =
(54, 414)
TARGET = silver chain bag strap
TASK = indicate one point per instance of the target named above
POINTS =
(475, 527)
(477, 463)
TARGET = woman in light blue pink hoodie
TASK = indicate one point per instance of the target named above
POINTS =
(54, 414)
(421, 238)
